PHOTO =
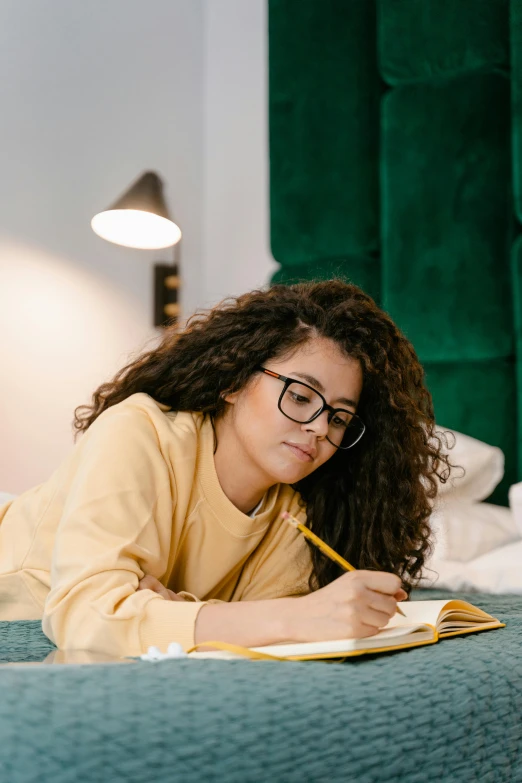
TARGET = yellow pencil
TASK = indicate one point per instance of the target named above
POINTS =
(323, 546)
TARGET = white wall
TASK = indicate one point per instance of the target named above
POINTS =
(237, 254)
(91, 94)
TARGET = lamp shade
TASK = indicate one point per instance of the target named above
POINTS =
(139, 218)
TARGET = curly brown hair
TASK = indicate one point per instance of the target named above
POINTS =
(371, 503)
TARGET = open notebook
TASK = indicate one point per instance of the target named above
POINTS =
(425, 623)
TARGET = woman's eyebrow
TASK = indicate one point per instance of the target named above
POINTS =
(319, 386)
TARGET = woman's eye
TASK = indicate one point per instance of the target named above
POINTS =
(337, 422)
(298, 398)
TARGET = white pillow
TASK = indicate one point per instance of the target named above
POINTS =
(498, 571)
(483, 465)
(463, 531)
(515, 504)
(5, 497)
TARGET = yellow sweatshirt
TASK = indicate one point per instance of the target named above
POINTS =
(138, 495)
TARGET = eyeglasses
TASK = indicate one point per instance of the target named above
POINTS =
(303, 404)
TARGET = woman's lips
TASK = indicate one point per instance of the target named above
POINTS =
(299, 453)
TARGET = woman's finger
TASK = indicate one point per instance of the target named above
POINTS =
(374, 617)
(151, 583)
(174, 596)
(147, 583)
(382, 603)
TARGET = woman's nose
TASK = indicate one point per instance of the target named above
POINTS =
(319, 426)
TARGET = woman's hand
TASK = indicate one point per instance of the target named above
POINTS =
(355, 605)
(151, 583)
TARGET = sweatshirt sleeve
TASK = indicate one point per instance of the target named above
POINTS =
(116, 525)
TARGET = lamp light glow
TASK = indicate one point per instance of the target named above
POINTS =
(136, 228)
(139, 218)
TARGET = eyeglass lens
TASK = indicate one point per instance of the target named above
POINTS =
(301, 404)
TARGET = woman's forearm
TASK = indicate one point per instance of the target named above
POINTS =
(248, 623)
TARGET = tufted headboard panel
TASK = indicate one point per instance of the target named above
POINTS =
(396, 162)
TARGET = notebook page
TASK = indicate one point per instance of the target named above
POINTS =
(434, 612)
(465, 611)
(418, 612)
(385, 637)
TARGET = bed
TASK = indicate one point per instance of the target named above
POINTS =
(366, 195)
(447, 712)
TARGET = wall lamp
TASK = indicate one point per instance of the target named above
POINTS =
(140, 218)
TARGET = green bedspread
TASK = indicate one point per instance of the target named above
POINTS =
(446, 712)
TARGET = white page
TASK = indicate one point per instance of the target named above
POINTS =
(380, 639)
(417, 612)
(430, 611)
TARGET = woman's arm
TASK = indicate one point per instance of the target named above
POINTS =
(115, 526)
(249, 623)
(355, 605)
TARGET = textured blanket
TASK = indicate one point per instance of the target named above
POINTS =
(447, 712)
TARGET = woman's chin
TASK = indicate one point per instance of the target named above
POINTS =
(290, 474)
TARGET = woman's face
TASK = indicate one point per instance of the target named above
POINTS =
(278, 448)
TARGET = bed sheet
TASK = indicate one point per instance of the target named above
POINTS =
(446, 712)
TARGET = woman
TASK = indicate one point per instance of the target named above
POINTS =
(302, 398)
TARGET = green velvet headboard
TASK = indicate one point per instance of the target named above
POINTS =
(396, 162)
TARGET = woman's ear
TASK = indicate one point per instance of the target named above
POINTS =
(230, 397)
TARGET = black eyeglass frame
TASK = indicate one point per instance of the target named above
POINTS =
(325, 407)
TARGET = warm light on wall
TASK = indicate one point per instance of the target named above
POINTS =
(140, 219)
